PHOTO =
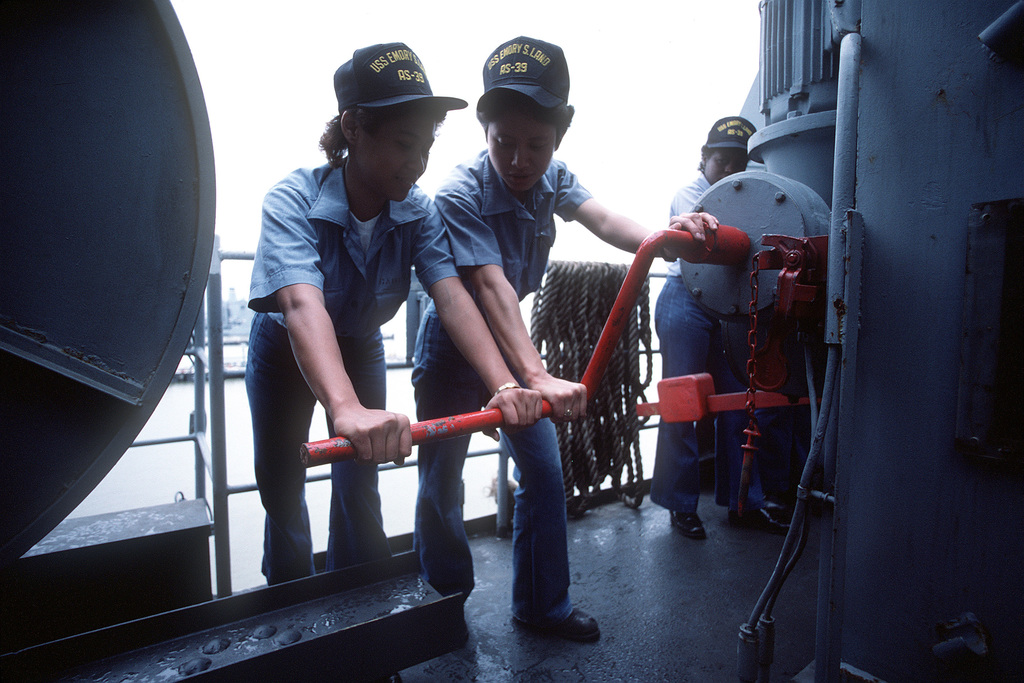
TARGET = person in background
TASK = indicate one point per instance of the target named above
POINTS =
(499, 209)
(333, 263)
(691, 342)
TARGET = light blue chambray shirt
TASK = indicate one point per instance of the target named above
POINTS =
(488, 226)
(684, 201)
(307, 238)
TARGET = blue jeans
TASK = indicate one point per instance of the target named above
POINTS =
(691, 342)
(447, 385)
(282, 405)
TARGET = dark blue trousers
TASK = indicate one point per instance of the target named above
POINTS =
(282, 405)
(691, 342)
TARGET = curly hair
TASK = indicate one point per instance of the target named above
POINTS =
(334, 144)
(705, 152)
(501, 100)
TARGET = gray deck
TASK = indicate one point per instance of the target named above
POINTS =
(669, 607)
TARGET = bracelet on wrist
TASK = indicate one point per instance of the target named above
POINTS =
(503, 387)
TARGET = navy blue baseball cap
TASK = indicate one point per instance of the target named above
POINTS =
(533, 67)
(732, 131)
(383, 75)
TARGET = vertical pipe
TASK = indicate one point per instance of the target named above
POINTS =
(844, 179)
(812, 397)
(764, 76)
(765, 648)
(747, 648)
(830, 599)
(218, 443)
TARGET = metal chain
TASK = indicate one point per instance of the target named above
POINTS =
(752, 432)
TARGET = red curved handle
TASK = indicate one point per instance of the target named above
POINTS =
(727, 246)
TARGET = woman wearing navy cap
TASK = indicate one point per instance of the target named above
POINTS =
(499, 209)
(698, 347)
(333, 263)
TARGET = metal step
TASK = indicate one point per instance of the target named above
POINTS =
(98, 571)
(357, 624)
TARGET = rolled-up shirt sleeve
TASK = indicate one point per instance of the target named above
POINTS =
(473, 241)
(287, 251)
(432, 251)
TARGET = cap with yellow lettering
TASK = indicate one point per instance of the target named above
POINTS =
(732, 131)
(383, 75)
(533, 67)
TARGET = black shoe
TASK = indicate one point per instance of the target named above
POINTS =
(688, 524)
(578, 626)
(778, 508)
(758, 519)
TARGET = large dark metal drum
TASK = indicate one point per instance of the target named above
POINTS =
(106, 234)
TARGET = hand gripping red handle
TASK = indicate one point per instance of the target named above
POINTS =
(726, 246)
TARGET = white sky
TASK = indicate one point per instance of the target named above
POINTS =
(648, 80)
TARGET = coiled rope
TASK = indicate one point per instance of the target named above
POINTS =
(569, 311)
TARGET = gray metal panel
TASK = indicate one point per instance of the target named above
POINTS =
(106, 217)
(801, 148)
(930, 534)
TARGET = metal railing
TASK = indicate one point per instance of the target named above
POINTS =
(218, 432)
(207, 429)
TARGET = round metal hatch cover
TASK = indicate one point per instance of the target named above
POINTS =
(759, 204)
(106, 222)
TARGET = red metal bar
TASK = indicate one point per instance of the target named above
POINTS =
(339, 448)
(691, 397)
(729, 246)
(725, 246)
(762, 399)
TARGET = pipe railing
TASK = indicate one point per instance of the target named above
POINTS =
(207, 430)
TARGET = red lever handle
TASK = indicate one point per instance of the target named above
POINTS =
(725, 246)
